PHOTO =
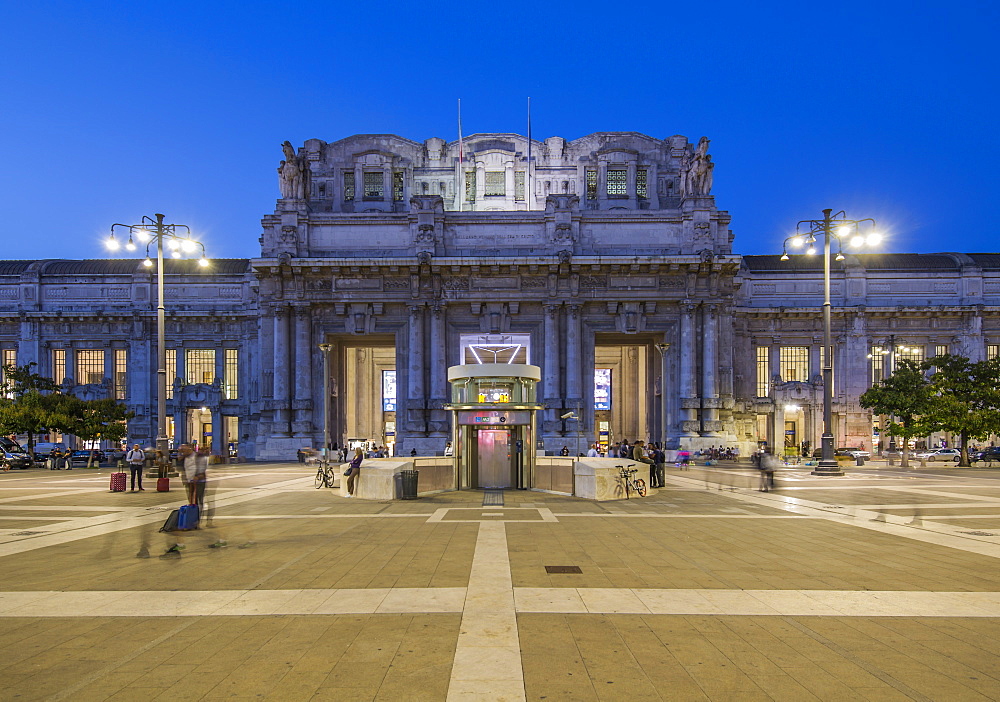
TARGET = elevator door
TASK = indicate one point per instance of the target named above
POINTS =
(494, 458)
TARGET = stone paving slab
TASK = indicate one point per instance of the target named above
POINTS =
(708, 590)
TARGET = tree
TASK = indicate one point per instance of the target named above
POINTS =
(966, 398)
(95, 419)
(28, 403)
(907, 397)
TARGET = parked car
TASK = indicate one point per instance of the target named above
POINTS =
(852, 452)
(988, 455)
(945, 454)
(14, 459)
(83, 456)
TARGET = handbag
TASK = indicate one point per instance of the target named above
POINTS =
(347, 473)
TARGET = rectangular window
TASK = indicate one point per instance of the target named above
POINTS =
(519, 185)
(992, 351)
(470, 186)
(349, 186)
(876, 354)
(231, 383)
(397, 185)
(8, 358)
(89, 366)
(763, 372)
(374, 185)
(200, 366)
(496, 184)
(388, 391)
(641, 190)
(602, 388)
(941, 350)
(171, 368)
(58, 365)
(794, 363)
(121, 373)
(591, 184)
(910, 353)
(617, 183)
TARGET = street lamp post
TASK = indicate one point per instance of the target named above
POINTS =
(149, 232)
(858, 232)
(325, 348)
(662, 348)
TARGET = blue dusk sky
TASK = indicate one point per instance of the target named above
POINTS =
(113, 110)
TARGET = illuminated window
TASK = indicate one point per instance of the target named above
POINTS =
(602, 388)
(89, 366)
(349, 186)
(941, 350)
(763, 372)
(876, 357)
(591, 185)
(470, 186)
(199, 366)
(374, 185)
(992, 351)
(617, 183)
(8, 358)
(909, 353)
(58, 365)
(388, 391)
(121, 373)
(231, 382)
(641, 190)
(171, 368)
(794, 363)
(519, 185)
(397, 185)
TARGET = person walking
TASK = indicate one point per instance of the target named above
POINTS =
(355, 471)
(593, 452)
(135, 459)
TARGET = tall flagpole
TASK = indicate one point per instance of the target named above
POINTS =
(460, 189)
(527, 177)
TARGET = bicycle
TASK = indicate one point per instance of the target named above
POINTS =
(630, 482)
(325, 475)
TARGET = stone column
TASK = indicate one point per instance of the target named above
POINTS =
(550, 373)
(709, 370)
(774, 361)
(416, 421)
(439, 394)
(574, 362)
(109, 368)
(303, 402)
(282, 362)
(218, 432)
(688, 357)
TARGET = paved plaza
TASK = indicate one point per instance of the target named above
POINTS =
(880, 585)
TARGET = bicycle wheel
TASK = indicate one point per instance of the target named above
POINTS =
(640, 487)
(320, 479)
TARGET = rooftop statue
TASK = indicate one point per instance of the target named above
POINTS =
(696, 170)
(293, 174)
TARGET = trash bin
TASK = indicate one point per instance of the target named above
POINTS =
(860, 460)
(408, 484)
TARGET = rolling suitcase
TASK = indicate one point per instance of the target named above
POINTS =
(163, 484)
(187, 517)
(118, 482)
(171, 523)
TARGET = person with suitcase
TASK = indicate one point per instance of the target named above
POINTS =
(135, 459)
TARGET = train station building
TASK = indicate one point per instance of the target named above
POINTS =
(600, 270)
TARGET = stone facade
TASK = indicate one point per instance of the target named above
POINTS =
(608, 250)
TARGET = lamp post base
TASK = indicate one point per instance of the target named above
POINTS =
(828, 468)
